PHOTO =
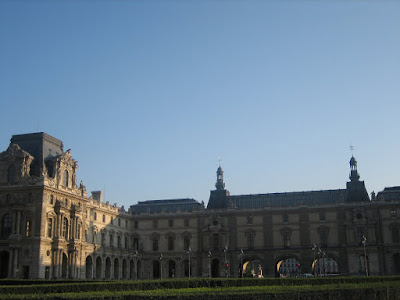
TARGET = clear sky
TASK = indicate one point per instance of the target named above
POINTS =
(148, 94)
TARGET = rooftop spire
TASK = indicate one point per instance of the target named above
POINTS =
(220, 184)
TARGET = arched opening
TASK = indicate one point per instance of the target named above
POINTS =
(396, 263)
(116, 268)
(325, 266)
(171, 269)
(139, 270)
(215, 268)
(64, 266)
(186, 268)
(288, 267)
(132, 270)
(124, 269)
(156, 269)
(98, 267)
(108, 268)
(4, 259)
(89, 267)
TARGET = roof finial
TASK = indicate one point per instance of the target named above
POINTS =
(219, 160)
(351, 149)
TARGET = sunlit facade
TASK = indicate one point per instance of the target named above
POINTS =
(50, 228)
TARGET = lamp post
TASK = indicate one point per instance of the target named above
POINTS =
(188, 251)
(135, 254)
(209, 263)
(364, 242)
(241, 262)
(314, 249)
(161, 257)
(226, 263)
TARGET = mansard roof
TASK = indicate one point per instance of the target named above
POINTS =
(166, 205)
(288, 199)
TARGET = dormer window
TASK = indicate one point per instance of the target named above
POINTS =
(65, 178)
(12, 174)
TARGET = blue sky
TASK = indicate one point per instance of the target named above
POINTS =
(148, 94)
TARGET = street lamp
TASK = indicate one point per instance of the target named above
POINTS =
(188, 251)
(209, 263)
(364, 242)
(226, 263)
(135, 254)
(241, 262)
(314, 249)
(161, 257)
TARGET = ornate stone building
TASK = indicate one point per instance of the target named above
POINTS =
(50, 228)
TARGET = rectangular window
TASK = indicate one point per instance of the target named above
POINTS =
(103, 239)
(136, 224)
(119, 222)
(286, 239)
(155, 223)
(119, 242)
(50, 227)
(126, 243)
(171, 223)
(170, 243)
(104, 218)
(155, 244)
(250, 240)
(393, 213)
(186, 222)
(186, 242)
(285, 218)
(111, 240)
(135, 243)
(322, 216)
(95, 216)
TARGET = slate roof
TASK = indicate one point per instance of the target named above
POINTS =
(288, 199)
(170, 205)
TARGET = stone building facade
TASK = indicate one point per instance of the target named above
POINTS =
(50, 228)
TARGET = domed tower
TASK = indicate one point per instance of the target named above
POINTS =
(356, 190)
(219, 197)
(220, 184)
(353, 170)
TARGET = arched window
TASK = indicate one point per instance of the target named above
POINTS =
(78, 232)
(12, 174)
(6, 226)
(65, 228)
(65, 178)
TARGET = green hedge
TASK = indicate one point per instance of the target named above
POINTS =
(46, 287)
(371, 290)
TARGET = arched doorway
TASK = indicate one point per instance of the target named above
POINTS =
(156, 269)
(215, 268)
(171, 269)
(108, 268)
(288, 267)
(325, 266)
(64, 266)
(124, 269)
(131, 269)
(116, 268)
(89, 267)
(98, 267)
(4, 258)
(396, 263)
(186, 268)
(139, 270)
